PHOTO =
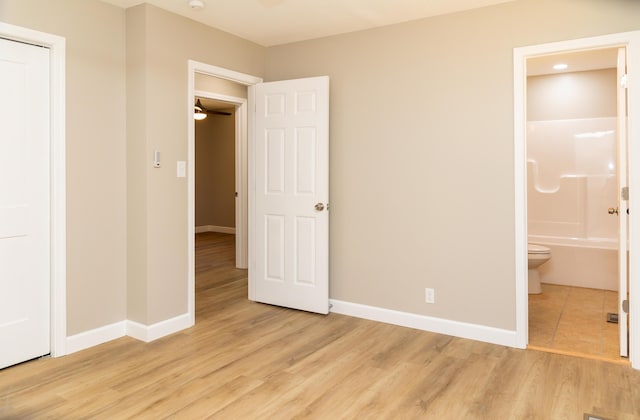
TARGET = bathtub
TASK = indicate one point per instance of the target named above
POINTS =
(580, 262)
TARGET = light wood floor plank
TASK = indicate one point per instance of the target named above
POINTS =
(244, 360)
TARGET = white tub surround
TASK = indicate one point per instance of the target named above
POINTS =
(580, 265)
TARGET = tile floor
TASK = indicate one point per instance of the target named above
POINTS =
(573, 319)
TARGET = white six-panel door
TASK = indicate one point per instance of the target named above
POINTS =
(24, 202)
(291, 160)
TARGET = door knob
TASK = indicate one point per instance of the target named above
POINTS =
(612, 210)
(319, 207)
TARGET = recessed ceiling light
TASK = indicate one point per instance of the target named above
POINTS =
(560, 66)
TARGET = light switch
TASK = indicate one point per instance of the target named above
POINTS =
(181, 169)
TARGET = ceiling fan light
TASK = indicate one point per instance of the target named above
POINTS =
(198, 111)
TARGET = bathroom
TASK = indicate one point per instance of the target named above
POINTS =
(572, 202)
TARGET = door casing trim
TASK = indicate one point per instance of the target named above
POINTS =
(631, 41)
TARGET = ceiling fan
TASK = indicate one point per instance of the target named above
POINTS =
(200, 112)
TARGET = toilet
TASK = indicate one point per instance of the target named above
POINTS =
(538, 255)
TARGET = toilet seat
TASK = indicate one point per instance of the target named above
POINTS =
(538, 249)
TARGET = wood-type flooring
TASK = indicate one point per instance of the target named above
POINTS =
(245, 360)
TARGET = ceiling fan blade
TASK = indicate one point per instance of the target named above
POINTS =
(198, 105)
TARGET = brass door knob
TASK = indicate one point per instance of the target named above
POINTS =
(613, 210)
(319, 207)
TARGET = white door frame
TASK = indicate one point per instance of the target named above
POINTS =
(56, 45)
(240, 182)
(241, 166)
(630, 40)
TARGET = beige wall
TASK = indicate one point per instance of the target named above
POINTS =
(586, 94)
(215, 171)
(95, 151)
(158, 255)
(137, 121)
(421, 151)
(422, 184)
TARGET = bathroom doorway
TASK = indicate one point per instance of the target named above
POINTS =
(631, 42)
(574, 172)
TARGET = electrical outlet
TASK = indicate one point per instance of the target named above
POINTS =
(429, 295)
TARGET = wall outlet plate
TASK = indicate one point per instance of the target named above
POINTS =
(429, 295)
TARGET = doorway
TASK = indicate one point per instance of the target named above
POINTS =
(572, 178)
(630, 41)
(217, 206)
(291, 115)
(196, 70)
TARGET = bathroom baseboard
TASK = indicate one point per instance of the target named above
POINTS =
(426, 323)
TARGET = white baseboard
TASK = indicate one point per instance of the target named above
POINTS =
(149, 333)
(96, 336)
(133, 329)
(219, 229)
(426, 323)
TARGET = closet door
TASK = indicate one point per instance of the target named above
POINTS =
(24, 202)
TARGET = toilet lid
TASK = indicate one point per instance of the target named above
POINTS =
(538, 249)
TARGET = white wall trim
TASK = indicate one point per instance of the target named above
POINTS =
(630, 40)
(426, 323)
(57, 47)
(234, 76)
(520, 209)
(219, 229)
(222, 73)
(133, 329)
(149, 333)
(251, 186)
(95, 337)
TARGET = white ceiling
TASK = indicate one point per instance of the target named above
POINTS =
(275, 22)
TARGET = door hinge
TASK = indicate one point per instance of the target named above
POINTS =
(623, 81)
(624, 193)
(625, 306)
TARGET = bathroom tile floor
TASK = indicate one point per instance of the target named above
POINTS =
(574, 320)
